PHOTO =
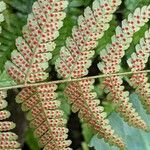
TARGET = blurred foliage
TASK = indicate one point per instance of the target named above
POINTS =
(64, 104)
(21, 7)
(106, 39)
(5, 80)
(87, 132)
(132, 4)
(30, 140)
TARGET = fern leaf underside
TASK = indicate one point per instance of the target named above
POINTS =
(85, 101)
(45, 116)
(111, 57)
(75, 59)
(30, 61)
(28, 66)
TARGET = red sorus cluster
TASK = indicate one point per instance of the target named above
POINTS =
(7, 138)
(45, 116)
(137, 62)
(111, 56)
(123, 106)
(84, 100)
(75, 57)
(34, 49)
(9, 145)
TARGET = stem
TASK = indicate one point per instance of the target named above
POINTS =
(72, 80)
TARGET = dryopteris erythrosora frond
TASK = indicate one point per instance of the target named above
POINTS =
(137, 62)
(8, 140)
(30, 61)
(111, 57)
(84, 100)
(45, 116)
(75, 59)
(28, 66)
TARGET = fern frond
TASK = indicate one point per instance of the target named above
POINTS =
(8, 140)
(75, 57)
(121, 99)
(84, 100)
(34, 48)
(113, 53)
(111, 57)
(22, 7)
(137, 62)
(45, 116)
(29, 65)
